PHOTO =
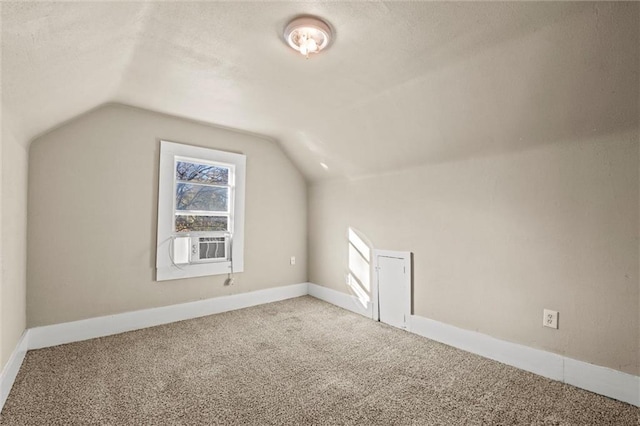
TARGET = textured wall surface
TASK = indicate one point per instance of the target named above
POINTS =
(92, 216)
(14, 242)
(498, 239)
(542, 97)
(523, 193)
(404, 82)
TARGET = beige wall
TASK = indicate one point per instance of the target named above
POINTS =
(13, 242)
(496, 239)
(92, 216)
(3, 359)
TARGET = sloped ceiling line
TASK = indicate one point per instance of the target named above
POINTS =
(405, 83)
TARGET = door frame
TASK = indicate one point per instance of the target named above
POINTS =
(406, 257)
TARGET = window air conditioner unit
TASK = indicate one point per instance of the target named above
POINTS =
(209, 249)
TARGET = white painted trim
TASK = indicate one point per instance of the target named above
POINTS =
(540, 362)
(375, 295)
(405, 256)
(601, 380)
(58, 334)
(345, 301)
(165, 267)
(11, 368)
(604, 381)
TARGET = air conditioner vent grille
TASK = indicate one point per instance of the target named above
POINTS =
(212, 248)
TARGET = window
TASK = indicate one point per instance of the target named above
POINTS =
(202, 191)
(200, 212)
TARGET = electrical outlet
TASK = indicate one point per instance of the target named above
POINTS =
(292, 260)
(550, 318)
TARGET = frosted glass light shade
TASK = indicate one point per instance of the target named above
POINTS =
(307, 35)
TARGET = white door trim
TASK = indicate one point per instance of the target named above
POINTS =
(406, 257)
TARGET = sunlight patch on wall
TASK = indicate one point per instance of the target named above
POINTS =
(359, 277)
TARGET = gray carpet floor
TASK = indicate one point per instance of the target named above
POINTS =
(299, 361)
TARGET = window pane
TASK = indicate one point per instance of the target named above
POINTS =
(201, 197)
(202, 173)
(189, 223)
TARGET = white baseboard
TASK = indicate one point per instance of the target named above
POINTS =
(338, 298)
(540, 362)
(75, 331)
(601, 380)
(11, 368)
(604, 381)
(57, 334)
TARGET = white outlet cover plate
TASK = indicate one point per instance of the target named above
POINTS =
(550, 318)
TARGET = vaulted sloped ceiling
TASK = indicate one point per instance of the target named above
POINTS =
(404, 83)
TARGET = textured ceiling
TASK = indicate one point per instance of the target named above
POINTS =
(404, 83)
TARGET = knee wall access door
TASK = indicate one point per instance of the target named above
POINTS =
(393, 278)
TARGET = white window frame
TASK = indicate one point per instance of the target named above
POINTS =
(166, 269)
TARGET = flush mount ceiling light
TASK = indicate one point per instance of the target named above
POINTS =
(307, 35)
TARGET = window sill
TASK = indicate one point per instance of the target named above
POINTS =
(195, 270)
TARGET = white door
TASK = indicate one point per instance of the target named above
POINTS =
(394, 290)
